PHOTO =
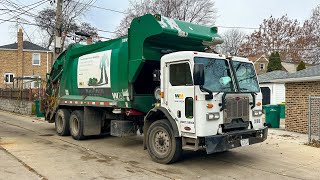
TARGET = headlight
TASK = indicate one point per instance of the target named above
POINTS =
(157, 92)
(213, 116)
(257, 112)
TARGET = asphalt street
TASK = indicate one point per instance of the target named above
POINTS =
(30, 149)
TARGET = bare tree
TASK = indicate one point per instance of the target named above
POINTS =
(194, 11)
(274, 34)
(233, 39)
(310, 38)
(71, 12)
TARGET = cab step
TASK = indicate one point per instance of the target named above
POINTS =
(190, 144)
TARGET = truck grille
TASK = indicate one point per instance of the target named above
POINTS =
(236, 108)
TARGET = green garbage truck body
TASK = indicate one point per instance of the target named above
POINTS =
(159, 80)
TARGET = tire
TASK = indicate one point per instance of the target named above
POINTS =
(76, 125)
(162, 146)
(62, 122)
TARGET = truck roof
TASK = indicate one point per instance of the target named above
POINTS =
(181, 55)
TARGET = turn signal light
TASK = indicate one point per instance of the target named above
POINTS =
(209, 105)
(258, 103)
(162, 94)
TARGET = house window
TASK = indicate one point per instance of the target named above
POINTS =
(8, 77)
(261, 66)
(36, 59)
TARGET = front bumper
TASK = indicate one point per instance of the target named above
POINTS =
(219, 143)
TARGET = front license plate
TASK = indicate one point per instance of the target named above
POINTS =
(244, 142)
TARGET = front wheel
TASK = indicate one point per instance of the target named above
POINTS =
(162, 146)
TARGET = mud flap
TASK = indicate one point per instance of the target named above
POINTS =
(92, 121)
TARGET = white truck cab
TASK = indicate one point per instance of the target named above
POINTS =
(214, 102)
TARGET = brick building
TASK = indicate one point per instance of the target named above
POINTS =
(299, 86)
(23, 59)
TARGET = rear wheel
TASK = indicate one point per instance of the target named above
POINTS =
(62, 122)
(76, 125)
(162, 146)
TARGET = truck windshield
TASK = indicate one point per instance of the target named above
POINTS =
(246, 76)
(217, 74)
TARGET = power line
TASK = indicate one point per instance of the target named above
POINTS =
(43, 1)
(85, 7)
(34, 24)
(16, 15)
(18, 8)
(26, 33)
(237, 27)
(107, 9)
(113, 32)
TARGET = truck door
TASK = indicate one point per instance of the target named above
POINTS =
(180, 95)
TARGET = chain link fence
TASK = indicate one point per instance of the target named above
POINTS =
(314, 118)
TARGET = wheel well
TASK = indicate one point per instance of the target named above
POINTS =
(156, 114)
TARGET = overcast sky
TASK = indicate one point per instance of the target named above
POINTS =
(243, 13)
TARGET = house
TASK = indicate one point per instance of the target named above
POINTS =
(23, 59)
(272, 92)
(260, 63)
(299, 86)
(291, 67)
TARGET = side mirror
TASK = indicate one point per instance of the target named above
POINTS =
(198, 74)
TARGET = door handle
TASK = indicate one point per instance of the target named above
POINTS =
(179, 114)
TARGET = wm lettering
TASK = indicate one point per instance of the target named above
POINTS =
(117, 96)
(178, 96)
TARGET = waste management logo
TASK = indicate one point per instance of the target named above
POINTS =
(178, 96)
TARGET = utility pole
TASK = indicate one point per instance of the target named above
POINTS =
(58, 27)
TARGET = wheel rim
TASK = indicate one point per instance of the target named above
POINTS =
(161, 141)
(59, 124)
(74, 126)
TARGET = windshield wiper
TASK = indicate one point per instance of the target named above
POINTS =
(249, 91)
(247, 78)
(218, 93)
(245, 89)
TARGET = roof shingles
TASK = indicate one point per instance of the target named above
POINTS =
(26, 46)
(309, 72)
(268, 77)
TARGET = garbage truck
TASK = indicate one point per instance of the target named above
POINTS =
(163, 81)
